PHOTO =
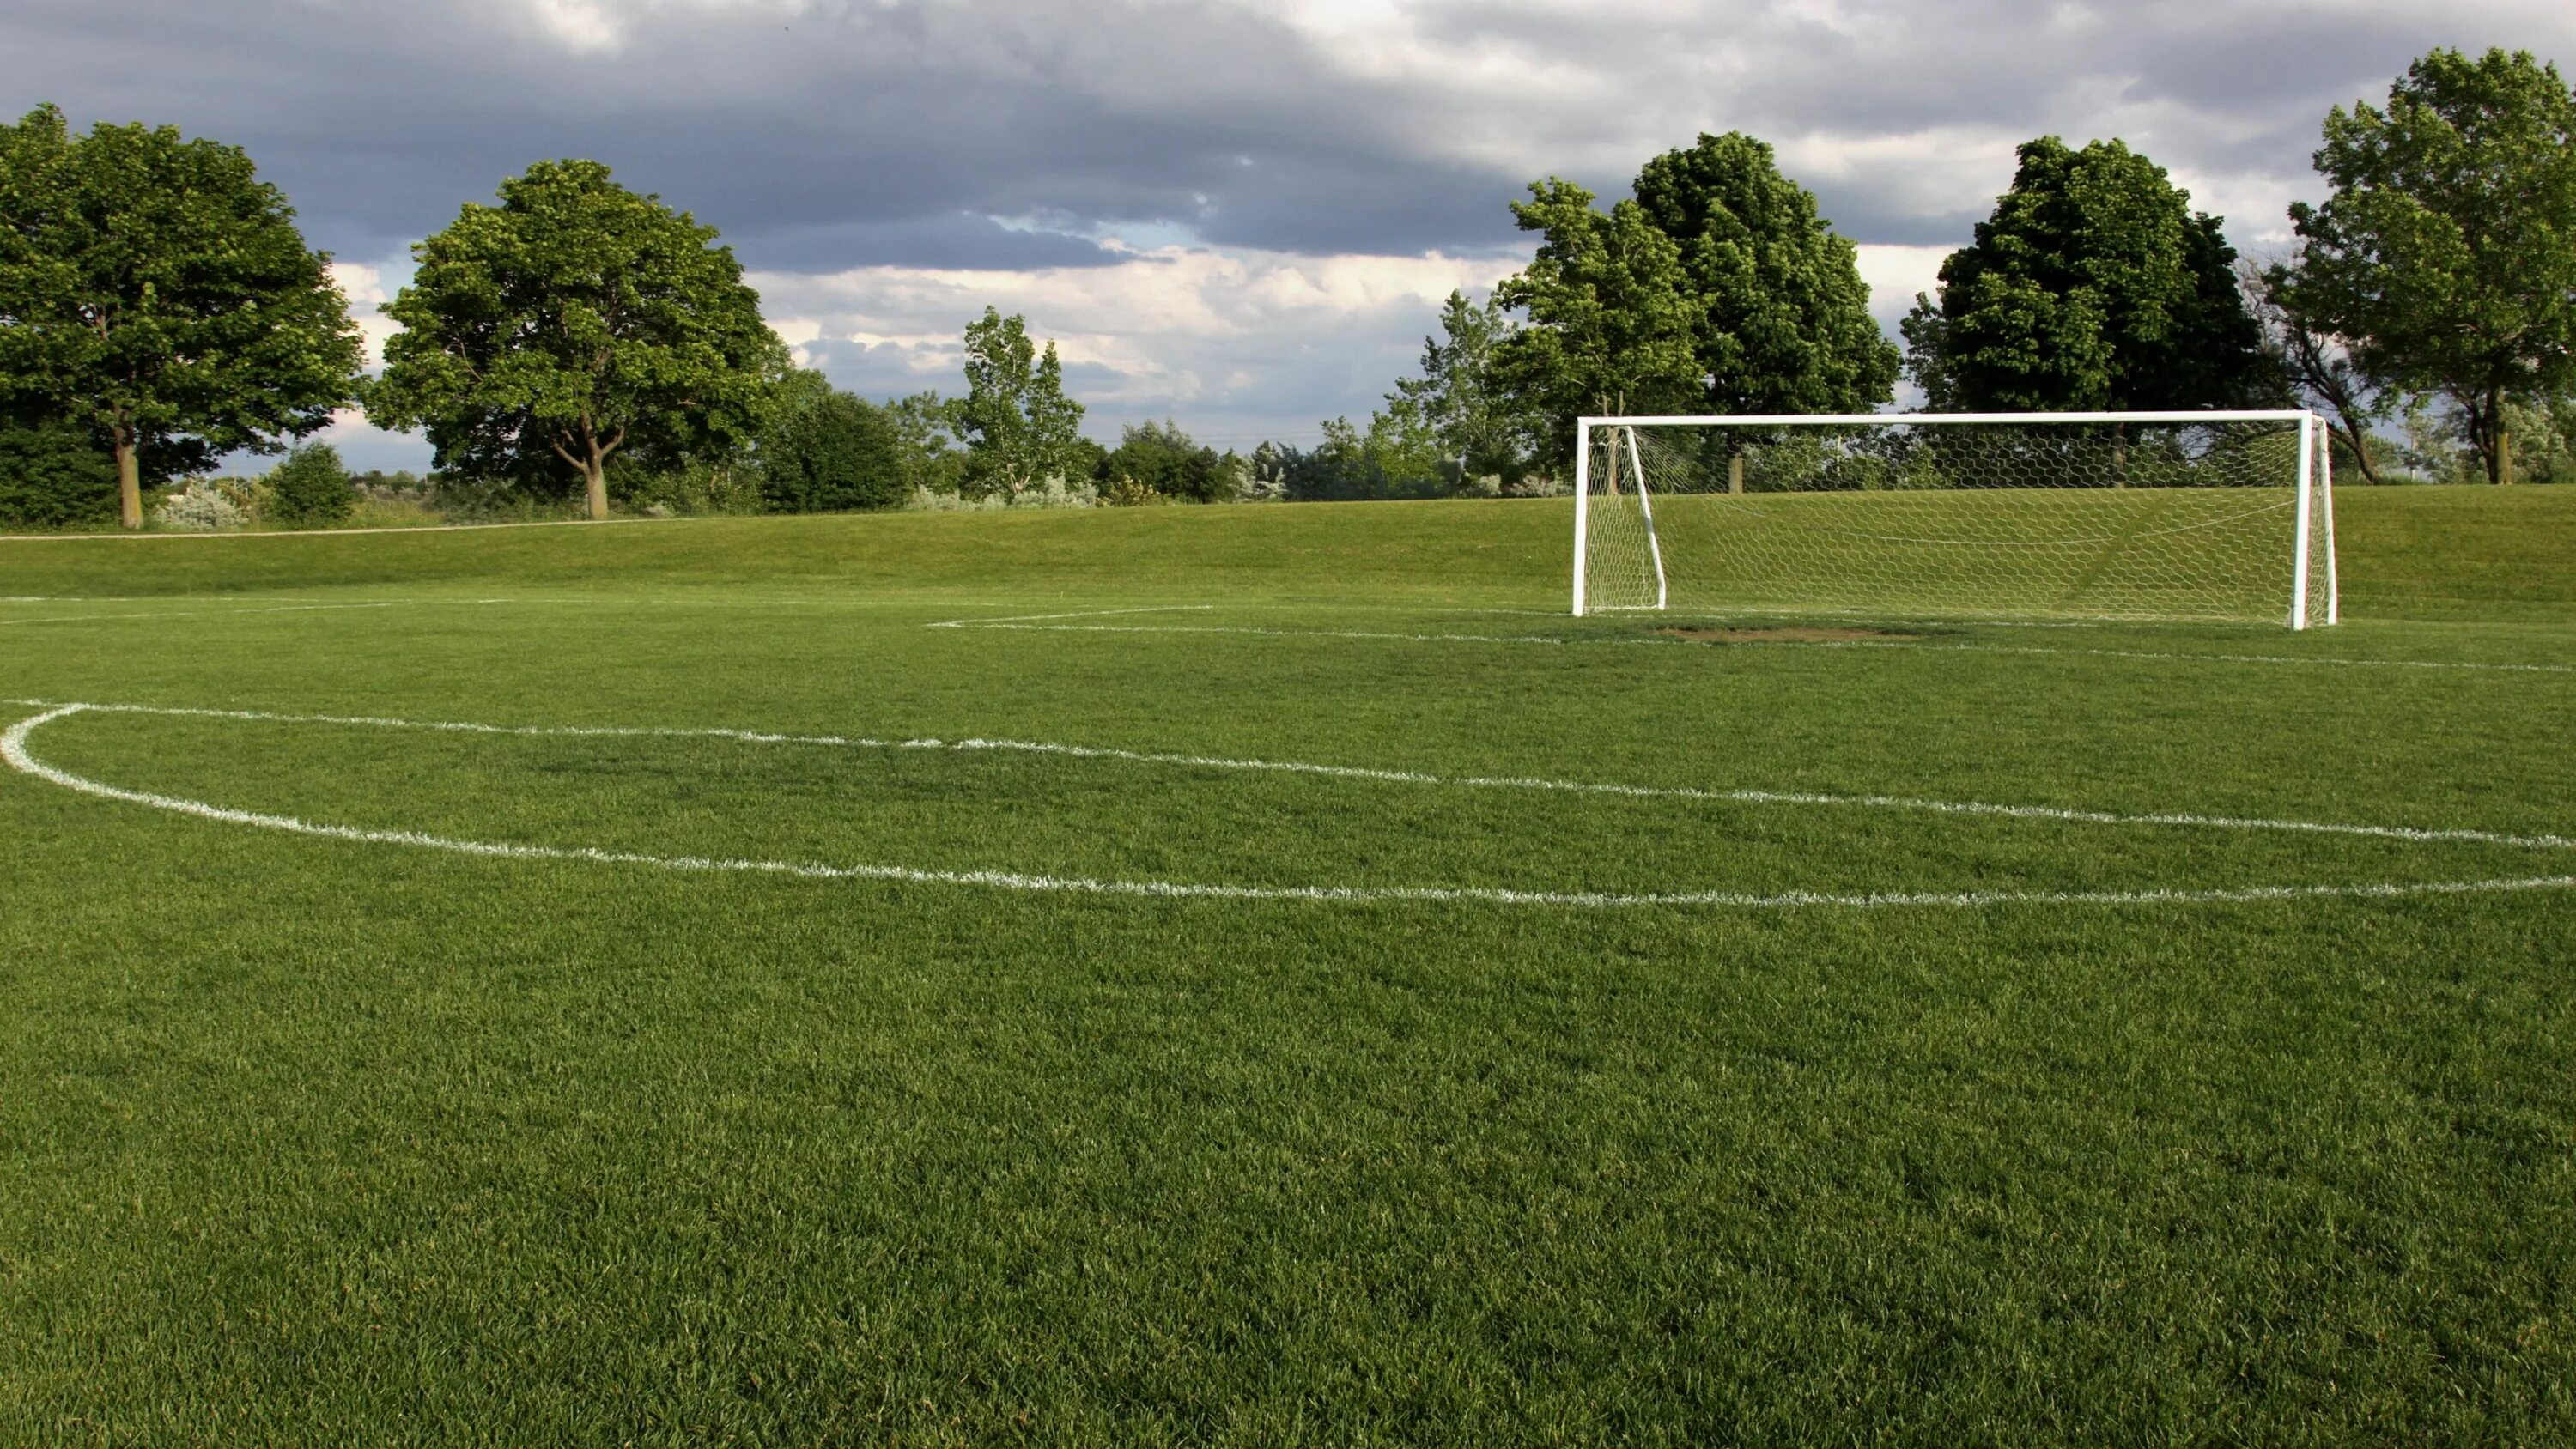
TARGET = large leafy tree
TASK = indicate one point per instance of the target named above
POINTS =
(2447, 249)
(2093, 286)
(1611, 325)
(1781, 319)
(1018, 426)
(155, 293)
(575, 319)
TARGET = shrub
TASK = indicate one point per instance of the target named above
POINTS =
(1125, 492)
(689, 487)
(832, 454)
(54, 475)
(1159, 460)
(311, 489)
(202, 505)
(1053, 493)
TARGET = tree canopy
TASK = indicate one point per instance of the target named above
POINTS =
(2093, 286)
(2446, 251)
(575, 319)
(1163, 460)
(1018, 426)
(827, 451)
(157, 294)
(1781, 320)
(1611, 328)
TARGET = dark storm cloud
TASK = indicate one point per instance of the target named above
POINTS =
(1226, 208)
(840, 134)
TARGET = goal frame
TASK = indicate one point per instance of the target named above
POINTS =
(2315, 509)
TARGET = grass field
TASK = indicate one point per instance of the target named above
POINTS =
(1264, 975)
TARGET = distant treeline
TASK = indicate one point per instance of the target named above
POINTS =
(578, 346)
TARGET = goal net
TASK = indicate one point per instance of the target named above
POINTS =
(2204, 515)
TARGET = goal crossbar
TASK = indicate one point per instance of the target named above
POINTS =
(2121, 515)
(1834, 420)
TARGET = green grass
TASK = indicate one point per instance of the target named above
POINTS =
(306, 1140)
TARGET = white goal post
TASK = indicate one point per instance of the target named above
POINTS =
(2107, 515)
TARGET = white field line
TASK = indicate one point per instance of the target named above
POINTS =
(223, 613)
(1289, 633)
(1077, 614)
(2050, 813)
(13, 750)
(424, 528)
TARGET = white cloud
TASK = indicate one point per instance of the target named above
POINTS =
(365, 286)
(1243, 335)
(1895, 274)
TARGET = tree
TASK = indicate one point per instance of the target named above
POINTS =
(156, 292)
(1018, 426)
(1610, 329)
(2093, 286)
(1460, 396)
(1781, 320)
(925, 426)
(1161, 459)
(2317, 368)
(829, 452)
(573, 320)
(311, 489)
(1395, 456)
(2447, 249)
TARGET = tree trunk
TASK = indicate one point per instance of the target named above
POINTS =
(129, 482)
(2504, 453)
(595, 476)
(2359, 442)
(1735, 471)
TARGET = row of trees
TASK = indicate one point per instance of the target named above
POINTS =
(2433, 291)
(159, 308)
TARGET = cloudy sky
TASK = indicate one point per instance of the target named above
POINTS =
(1239, 215)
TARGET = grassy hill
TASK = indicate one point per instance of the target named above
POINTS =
(2420, 552)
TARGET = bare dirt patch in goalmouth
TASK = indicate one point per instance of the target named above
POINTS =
(1786, 634)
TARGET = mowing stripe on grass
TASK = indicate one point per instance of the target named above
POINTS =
(14, 751)
(2255, 658)
(1014, 624)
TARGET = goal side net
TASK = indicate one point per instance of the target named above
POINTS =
(2190, 516)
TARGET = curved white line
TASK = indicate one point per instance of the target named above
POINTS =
(13, 749)
(2053, 813)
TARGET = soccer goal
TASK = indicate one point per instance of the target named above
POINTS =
(2146, 515)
